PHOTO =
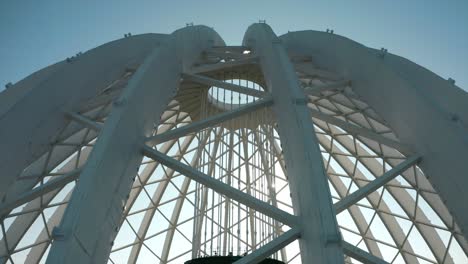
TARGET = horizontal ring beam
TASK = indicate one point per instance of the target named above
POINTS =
(228, 86)
(271, 247)
(224, 65)
(208, 122)
(225, 55)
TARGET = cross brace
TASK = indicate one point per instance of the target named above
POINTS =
(228, 86)
(271, 247)
(38, 191)
(221, 187)
(375, 184)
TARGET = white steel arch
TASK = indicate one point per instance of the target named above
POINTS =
(123, 154)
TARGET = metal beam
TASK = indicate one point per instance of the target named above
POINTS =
(229, 48)
(265, 165)
(84, 121)
(360, 131)
(155, 201)
(227, 201)
(353, 198)
(92, 218)
(308, 182)
(100, 100)
(223, 65)
(180, 201)
(208, 122)
(228, 86)
(271, 247)
(279, 156)
(314, 90)
(38, 191)
(360, 254)
(248, 186)
(307, 70)
(225, 55)
(198, 220)
(221, 187)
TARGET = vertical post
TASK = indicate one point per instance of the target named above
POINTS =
(271, 190)
(251, 213)
(196, 246)
(227, 202)
(320, 240)
(93, 215)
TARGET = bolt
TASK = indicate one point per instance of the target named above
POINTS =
(383, 52)
(58, 233)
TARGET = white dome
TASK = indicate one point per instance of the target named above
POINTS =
(73, 132)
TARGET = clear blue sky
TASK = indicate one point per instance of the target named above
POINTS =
(34, 34)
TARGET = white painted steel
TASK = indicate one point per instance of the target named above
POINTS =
(405, 95)
(209, 122)
(375, 184)
(228, 86)
(278, 243)
(220, 187)
(320, 238)
(86, 232)
(40, 100)
(75, 187)
(361, 255)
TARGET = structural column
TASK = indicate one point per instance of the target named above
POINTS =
(94, 213)
(320, 240)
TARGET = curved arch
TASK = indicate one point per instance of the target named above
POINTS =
(402, 101)
(58, 89)
(102, 120)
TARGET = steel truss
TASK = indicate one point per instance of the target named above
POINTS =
(161, 165)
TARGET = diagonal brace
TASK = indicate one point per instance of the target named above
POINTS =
(353, 198)
(238, 49)
(361, 255)
(84, 121)
(221, 187)
(208, 122)
(224, 65)
(38, 191)
(314, 90)
(271, 247)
